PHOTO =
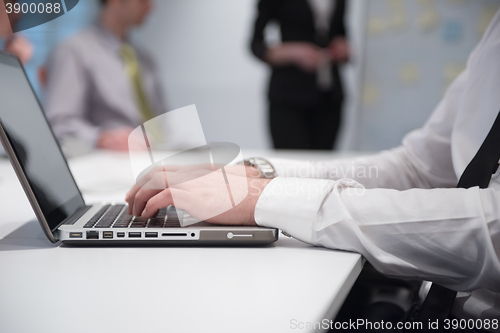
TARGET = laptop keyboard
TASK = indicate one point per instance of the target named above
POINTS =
(116, 216)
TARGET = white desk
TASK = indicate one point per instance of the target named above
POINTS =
(51, 288)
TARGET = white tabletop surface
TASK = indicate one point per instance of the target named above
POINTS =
(53, 288)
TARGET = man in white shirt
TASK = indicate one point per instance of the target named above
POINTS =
(399, 209)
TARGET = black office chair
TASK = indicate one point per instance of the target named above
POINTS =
(375, 297)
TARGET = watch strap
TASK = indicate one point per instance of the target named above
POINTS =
(265, 167)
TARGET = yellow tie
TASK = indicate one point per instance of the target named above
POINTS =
(133, 69)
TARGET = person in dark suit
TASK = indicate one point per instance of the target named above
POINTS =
(305, 92)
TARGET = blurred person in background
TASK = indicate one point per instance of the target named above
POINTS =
(10, 42)
(100, 86)
(305, 92)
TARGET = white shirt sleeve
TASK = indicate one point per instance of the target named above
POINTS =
(441, 235)
(396, 169)
(406, 230)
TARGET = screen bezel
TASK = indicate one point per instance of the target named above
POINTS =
(74, 204)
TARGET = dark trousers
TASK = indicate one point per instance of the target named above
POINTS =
(305, 127)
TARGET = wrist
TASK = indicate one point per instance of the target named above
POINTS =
(256, 188)
(252, 172)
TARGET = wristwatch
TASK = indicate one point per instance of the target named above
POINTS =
(265, 167)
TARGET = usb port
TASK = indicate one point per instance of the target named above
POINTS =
(134, 235)
(151, 234)
(120, 234)
(75, 235)
(92, 234)
(107, 234)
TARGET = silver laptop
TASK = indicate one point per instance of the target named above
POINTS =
(57, 200)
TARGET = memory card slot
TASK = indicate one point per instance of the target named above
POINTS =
(166, 234)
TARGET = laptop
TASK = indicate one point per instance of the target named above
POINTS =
(56, 199)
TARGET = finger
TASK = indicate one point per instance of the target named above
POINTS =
(154, 186)
(141, 198)
(148, 181)
(160, 200)
(129, 198)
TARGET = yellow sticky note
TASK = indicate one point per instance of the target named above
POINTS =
(409, 73)
(398, 21)
(371, 94)
(376, 26)
(456, 2)
(428, 20)
(395, 4)
(487, 15)
(451, 71)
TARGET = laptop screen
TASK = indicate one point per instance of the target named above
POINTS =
(35, 146)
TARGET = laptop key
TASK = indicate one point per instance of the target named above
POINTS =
(156, 222)
(110, 217)
(90, 223)
(138, 226)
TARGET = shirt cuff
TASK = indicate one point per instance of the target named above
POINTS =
(292, 205)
